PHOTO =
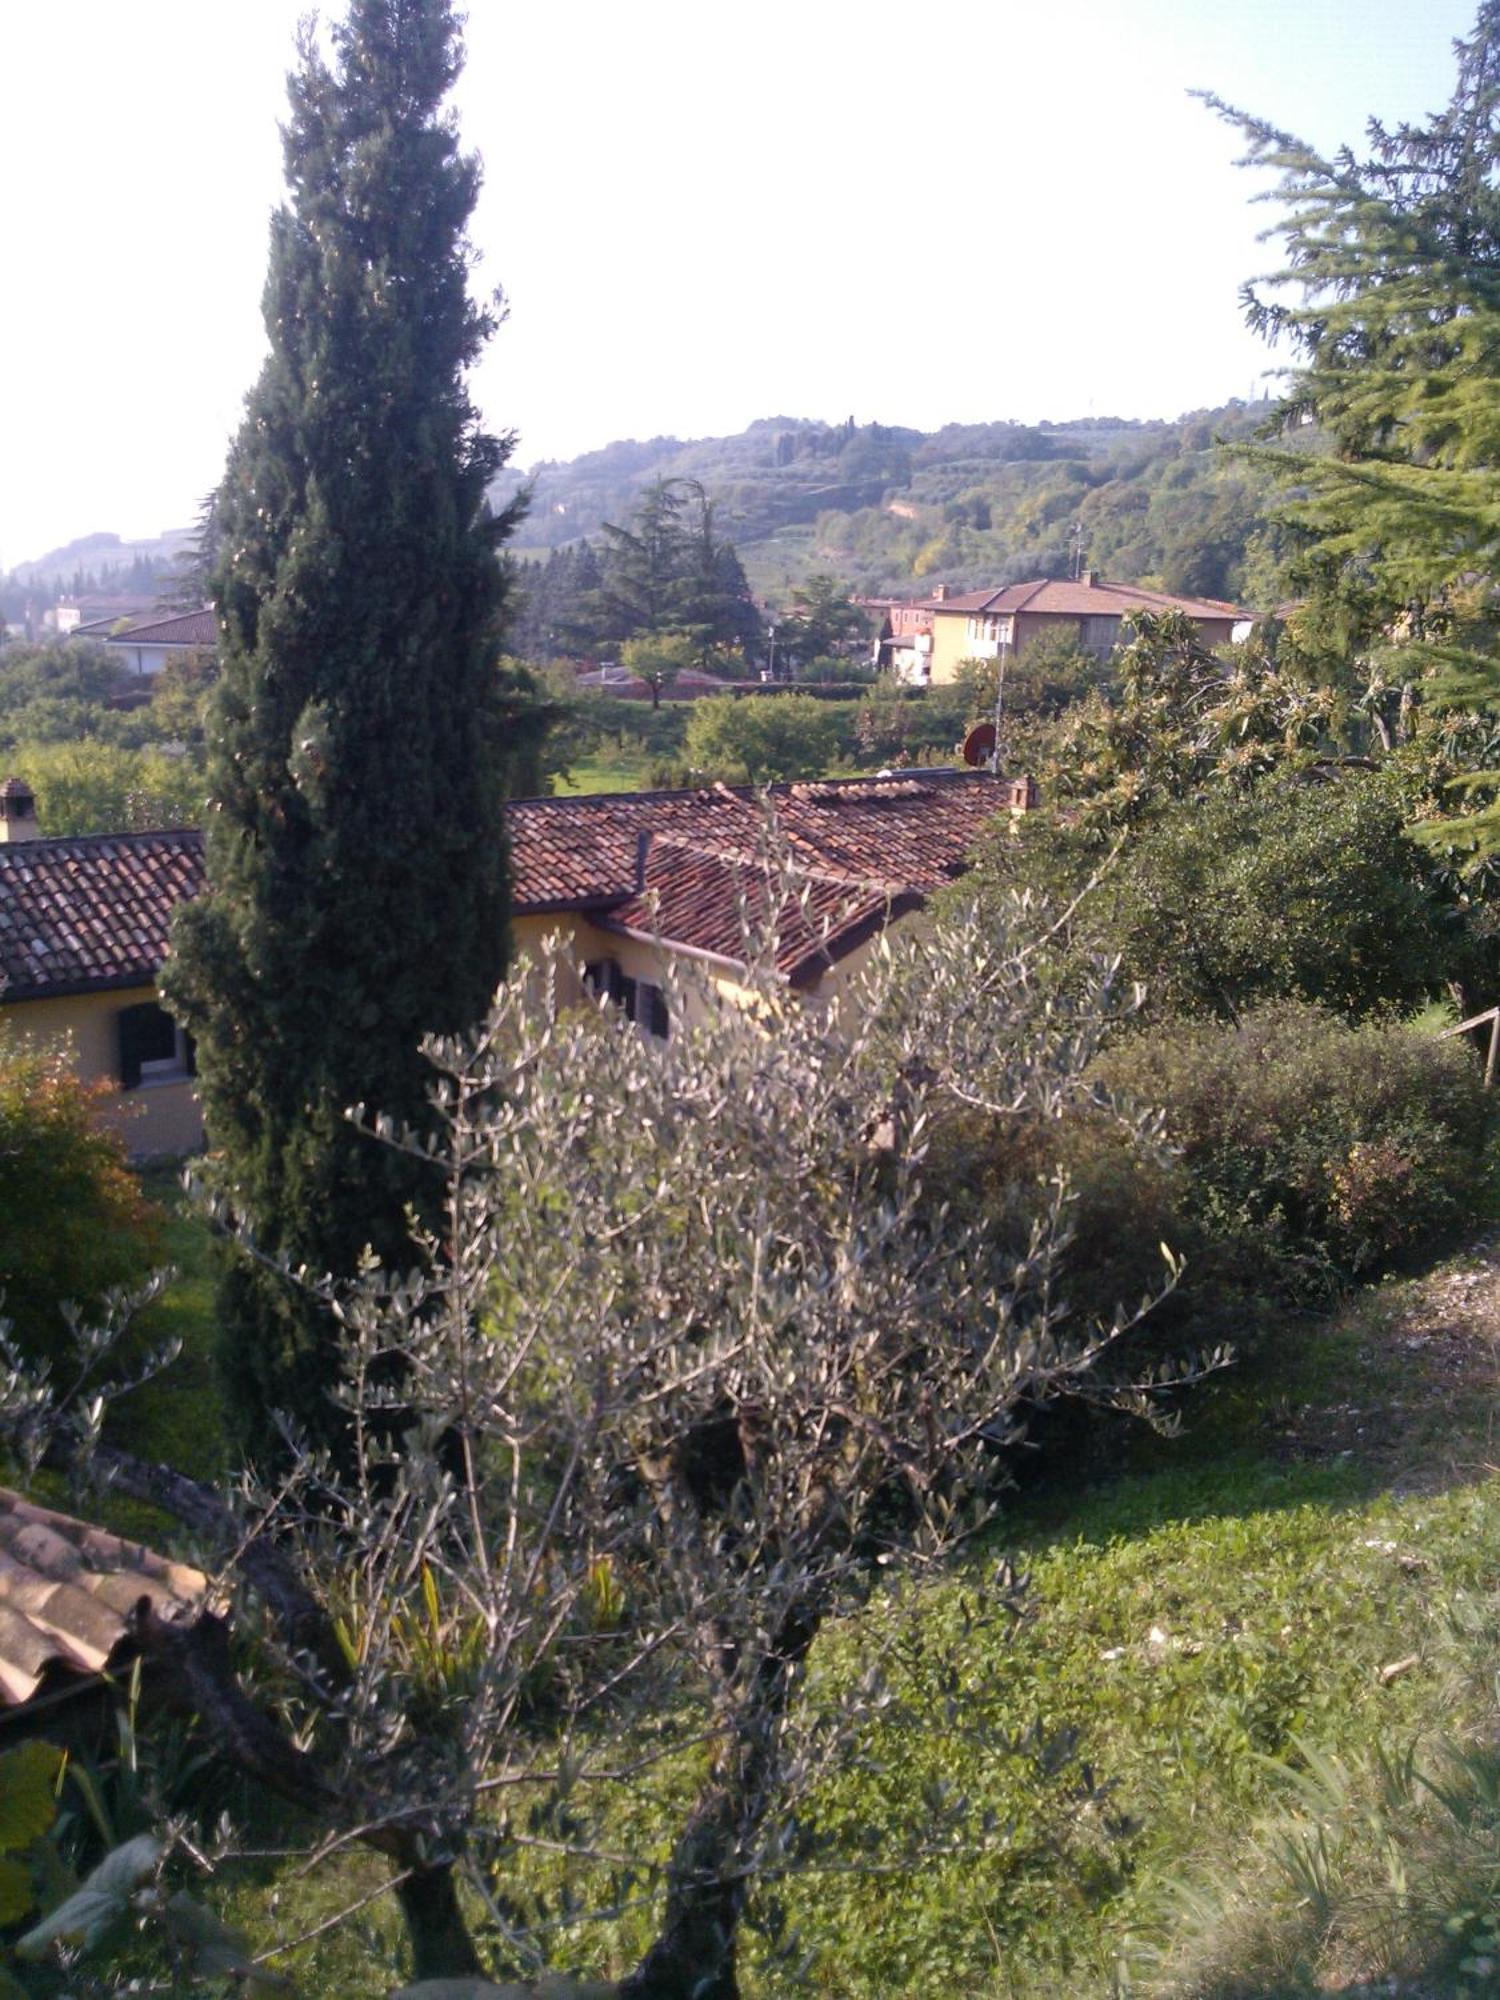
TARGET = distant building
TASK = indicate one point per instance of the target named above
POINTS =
(145, 648)
(981, 624)
(97, 614)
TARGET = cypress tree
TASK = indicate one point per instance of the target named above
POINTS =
(358, 887)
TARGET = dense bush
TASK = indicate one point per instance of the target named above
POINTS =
(94, 787)
(1227, 899)
(1328, 1151)
(73, 1221)
(1298, 1155)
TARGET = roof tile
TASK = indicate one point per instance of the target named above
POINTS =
(66, 1589)
(90, 913)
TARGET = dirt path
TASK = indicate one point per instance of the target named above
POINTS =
(1417, 1394)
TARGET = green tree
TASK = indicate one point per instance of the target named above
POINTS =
(1294, 889)
(1390, 302)
(356, 854)
(83, 786)
(658, 659)
(767, 737)
(823, 619)
(671, 571)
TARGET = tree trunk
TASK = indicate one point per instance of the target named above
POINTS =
(441, 1947)
(695, 1953)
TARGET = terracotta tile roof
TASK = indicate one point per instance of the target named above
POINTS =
(65, 1590)
(187, 628)
(90, 913)
(694, 900)
(1077, 598)
(899, 833)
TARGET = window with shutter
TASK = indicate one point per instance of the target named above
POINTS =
(153, 1049)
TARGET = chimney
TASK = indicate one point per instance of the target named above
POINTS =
(17, 811)
(940, 594)
(1091, 579)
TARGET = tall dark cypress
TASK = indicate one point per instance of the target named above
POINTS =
(358, 880)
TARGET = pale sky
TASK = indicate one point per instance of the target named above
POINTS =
(700, 214)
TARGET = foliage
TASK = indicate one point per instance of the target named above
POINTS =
(1047, 677)
(1302, 886)
(55, 690)
(1180, 718)
(1326, 1150)
(555, 611)
(73, 1223)
(361, 725)
(1393, 270)
(658, 659)
(672, 572)
(796, 1375)
(179, 698)
(823, 620)
(762, 737)
(88, 787)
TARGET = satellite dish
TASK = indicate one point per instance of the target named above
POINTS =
(979, 744)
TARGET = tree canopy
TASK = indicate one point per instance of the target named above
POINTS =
(1389, 299)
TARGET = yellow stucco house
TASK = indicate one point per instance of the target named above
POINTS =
(928, 638)
(628, 878)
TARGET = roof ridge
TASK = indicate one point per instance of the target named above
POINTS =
(47, 842)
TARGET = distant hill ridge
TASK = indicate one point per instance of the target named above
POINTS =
(105, 551)
(885, 506)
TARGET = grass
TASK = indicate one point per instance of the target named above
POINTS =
(1201, 1620)
(612, 768)
(1208, 1619)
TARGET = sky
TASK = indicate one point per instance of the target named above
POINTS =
(699, 214)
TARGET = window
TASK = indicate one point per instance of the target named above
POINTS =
(637, 999)
(153, 1049)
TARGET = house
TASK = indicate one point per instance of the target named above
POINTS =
(983, 624)
(96, 616)
(144, 648)
(67, 1591)
(904, 644)
(627, 878)
(83, 933)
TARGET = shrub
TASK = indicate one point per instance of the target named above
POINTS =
(73, 1221)
(1328, 1151)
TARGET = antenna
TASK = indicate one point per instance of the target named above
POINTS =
(1076, 548)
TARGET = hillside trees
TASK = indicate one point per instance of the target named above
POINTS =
(355, 842)
(1389, 298)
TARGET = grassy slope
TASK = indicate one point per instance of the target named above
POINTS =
(1221, 1600)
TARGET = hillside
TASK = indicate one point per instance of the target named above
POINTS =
(104, 554)
(884, 506)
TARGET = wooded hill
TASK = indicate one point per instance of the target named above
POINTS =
(884, 506)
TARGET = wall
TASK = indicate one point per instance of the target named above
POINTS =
(155, 1119)
(950, 644)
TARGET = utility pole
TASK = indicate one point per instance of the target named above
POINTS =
(1000, 662)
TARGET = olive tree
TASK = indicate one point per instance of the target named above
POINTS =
(690, 1363)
